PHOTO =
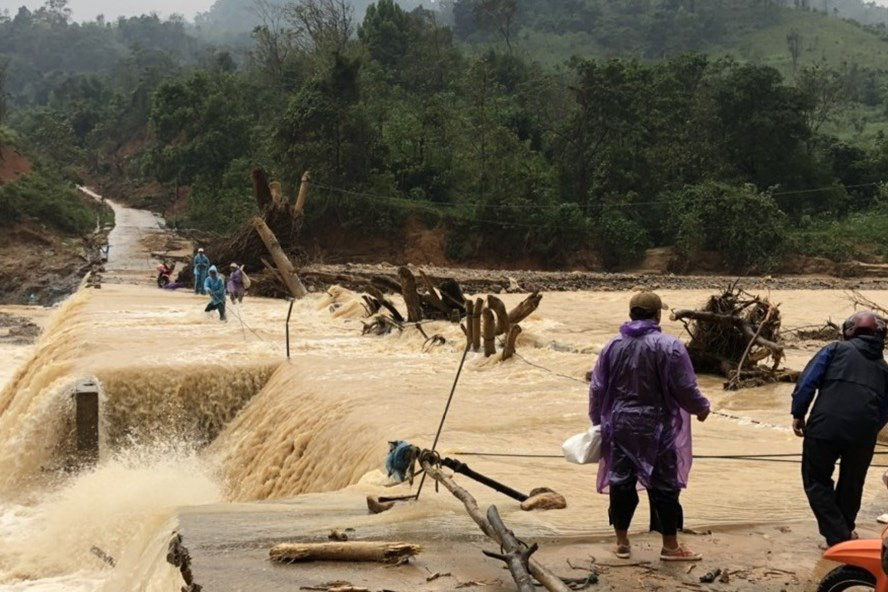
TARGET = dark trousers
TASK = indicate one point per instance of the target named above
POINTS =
(667, 515)
(835, 507)
(220, 306)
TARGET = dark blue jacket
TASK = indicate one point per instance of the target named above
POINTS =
(850, 379)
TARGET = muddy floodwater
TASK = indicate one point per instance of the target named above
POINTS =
(198, 415)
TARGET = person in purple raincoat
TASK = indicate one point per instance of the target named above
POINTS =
(642, 393)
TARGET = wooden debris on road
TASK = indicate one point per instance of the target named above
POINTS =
(359, 551)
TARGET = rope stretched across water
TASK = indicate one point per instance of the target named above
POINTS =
(748, 457)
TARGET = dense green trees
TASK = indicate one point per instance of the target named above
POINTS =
(515, 161)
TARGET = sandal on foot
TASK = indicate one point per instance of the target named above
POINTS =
(623, 551)
(679, 554)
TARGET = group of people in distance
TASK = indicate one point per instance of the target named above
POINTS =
(208, 281)
(643, 392)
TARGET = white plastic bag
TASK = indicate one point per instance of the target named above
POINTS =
(585, 448)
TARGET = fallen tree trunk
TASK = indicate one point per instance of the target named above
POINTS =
(281, 261)
(549, 580)
(379, 552)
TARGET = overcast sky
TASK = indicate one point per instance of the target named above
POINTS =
(89, 9)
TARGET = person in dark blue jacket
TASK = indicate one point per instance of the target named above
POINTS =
(850, 381)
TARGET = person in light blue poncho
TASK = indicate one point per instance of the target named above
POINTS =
(201, 265)
(215, 287)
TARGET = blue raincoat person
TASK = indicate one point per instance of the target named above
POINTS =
(201, 266)
(215, 287)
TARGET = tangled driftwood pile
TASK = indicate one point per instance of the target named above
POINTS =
(485, 320)
(737, 335)
(283, 219)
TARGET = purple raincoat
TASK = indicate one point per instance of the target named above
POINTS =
(235, 281)
(642, 394)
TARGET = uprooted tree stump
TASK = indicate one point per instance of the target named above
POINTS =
(246, 247)
(737, 335)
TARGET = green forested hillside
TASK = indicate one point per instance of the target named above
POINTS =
(535, 131)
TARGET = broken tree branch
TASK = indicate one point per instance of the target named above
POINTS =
(525, 308)
(549, 580)
(281, 261)
(516, 556)
(733, 382)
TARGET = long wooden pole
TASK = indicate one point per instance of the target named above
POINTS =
(281, 261)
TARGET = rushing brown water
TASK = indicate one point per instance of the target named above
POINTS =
(174, 379)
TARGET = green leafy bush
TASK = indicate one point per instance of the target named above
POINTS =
(621, 241)
(745, 227)
(47, 198)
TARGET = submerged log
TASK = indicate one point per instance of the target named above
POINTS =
(379, 552)
(510, 347)
(476, 324)
(431, 298)
(502, 316)
(411, 296)
(452, 294)
(489, 331)
(469, 327)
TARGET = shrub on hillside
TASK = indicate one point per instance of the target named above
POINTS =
(45, 198)
(621, 241)
(746, 228)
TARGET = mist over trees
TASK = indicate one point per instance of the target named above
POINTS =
(242, 16)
